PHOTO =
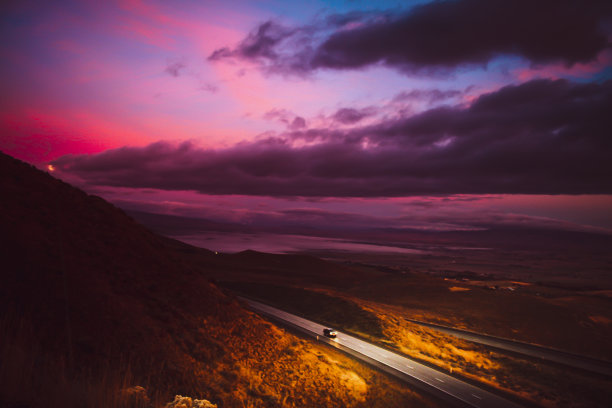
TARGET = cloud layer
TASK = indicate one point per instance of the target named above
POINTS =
(440, 35)
(541, 137)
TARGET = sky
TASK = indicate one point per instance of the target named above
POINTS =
(435, 115)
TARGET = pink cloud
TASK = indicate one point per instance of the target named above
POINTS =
(554, 71)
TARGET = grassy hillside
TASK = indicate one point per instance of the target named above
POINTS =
(96, 310)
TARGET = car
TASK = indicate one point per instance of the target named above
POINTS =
(331, 333)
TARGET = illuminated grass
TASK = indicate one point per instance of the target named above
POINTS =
(543, 384)
(257, 365)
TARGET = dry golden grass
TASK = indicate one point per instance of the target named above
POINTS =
(440, 350)
(258, 365)
(458, 289)
(545, 385)
(601, 320)
(542, 384)
(276, 368)
(188, 402)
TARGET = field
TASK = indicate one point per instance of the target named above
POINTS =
(374, 307)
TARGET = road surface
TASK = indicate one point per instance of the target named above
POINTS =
(532, 350)
(444, 386)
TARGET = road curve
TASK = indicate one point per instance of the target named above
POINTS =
(444, 386)
(532, 350)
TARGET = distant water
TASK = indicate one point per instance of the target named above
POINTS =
(281, 244)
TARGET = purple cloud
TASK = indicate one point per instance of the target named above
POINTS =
(429, 95)
(175, 68)
(289, 119)
(260, 43)
(541, 137)
(350, 116)
(440, 35)
(297, 123)
(281, 115)
(264, 44)
(207, 87)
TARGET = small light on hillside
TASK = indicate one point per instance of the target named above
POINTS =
(51, 167)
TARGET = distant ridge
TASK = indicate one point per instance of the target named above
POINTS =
(178, 225)
(516, 237)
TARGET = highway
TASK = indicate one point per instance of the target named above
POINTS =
(446, 387)
(531, 350)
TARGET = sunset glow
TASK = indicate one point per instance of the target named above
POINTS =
(275, 108)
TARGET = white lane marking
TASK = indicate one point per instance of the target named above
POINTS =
(410, 367)
(474, 395)
(439, 380)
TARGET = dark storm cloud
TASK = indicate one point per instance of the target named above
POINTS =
(437, 35)
(541, 137)
(263, 46)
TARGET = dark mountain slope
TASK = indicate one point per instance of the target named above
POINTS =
(93, 304)
(95, 284)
